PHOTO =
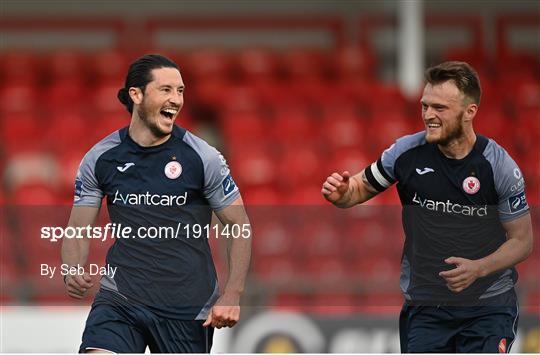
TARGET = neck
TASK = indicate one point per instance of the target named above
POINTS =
(460, 147)
(142, 135)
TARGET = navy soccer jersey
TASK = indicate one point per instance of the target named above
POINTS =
(451, 207)
(177, 184)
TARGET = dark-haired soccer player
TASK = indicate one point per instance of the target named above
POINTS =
(465, 218)
(164, 293)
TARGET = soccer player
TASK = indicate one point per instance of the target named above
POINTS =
(153, 173)
(465, 218)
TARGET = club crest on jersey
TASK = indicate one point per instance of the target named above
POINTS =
(471, 185)
(173, 169)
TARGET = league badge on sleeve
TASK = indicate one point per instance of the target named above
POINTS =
(78, 189)
(517, 202)
(173, 169)
(471, 185)
(228, 185)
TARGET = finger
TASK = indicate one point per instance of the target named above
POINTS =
(329, 187)
(453, 260)
(326, 192)
(346, 175)
(74, 295)
(336, 176)
(208, 320)
(456, 280)
(82, 282)
(451, 273)
(70, 282)
(86, 277)
(75, 291)
(333, 181)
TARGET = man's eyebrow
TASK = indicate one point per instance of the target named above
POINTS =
(170, 86)
(434, 104)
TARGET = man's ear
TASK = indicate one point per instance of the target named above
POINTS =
(470, 112)
(136, 95)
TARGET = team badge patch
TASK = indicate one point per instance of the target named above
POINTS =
(502, 346)
(173, 169)
(471, 185)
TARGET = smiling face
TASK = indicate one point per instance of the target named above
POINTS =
(446, 111)
(158, 106)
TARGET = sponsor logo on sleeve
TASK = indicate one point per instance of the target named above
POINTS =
(228, 185)
(517, 202)
(78, 189)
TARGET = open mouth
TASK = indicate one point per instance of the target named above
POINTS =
(168, 113)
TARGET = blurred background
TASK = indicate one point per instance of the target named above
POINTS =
(289, 91)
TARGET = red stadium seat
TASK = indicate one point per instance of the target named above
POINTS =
(266, 196)
(275, 269)
(244, 126)
(109, 67)
(208, 65)
(18, 67)
(18, 97)
(104, 99)
(35, 194)
(292, 122)
(256, 65)
(253, 167)
(21, 132)
(68, 130)
(305, 65)
(63, 96)
(354, 64)
(66, 66)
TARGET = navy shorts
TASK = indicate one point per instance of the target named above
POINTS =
(489, 328)
(131, 328)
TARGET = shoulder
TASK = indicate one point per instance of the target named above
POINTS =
(408, 142)
(109, 142)
(204, 150)
(403, 145)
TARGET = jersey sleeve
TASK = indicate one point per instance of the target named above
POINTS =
(509, 183)
(381, 174)
(87, 190)
(219, 188)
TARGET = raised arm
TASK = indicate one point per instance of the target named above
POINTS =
(345, 191)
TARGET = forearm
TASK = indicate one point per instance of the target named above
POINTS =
(239, 256)
(356, 194)
(75, 251)
(512, 252)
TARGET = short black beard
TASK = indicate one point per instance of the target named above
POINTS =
(151, 126)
